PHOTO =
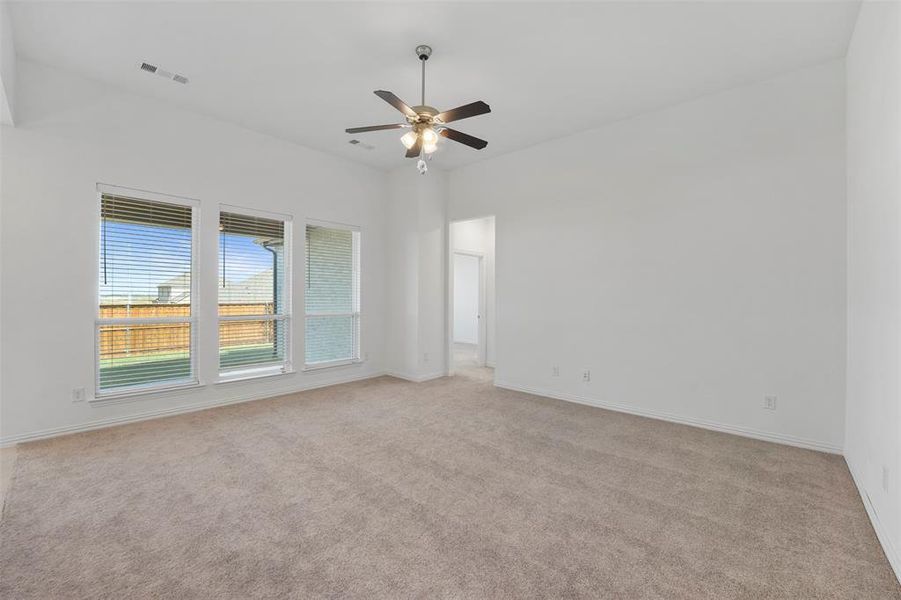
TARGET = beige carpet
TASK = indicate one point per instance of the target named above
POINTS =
(466, 356)
(448, 489)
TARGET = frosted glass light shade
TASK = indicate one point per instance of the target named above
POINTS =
(429, 137)
(408, 139)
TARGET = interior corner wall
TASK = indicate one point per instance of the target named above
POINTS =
(417, 238)
(873, 410)
(73, 133)
(692, 259)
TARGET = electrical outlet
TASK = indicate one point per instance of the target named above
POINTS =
(555, 371)
(885, 479)
(769, 402)
(77, 394)
(425, 357)
(586, 375)
(366, 356)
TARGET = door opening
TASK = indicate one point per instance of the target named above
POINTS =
(468, 335)
(471, 310)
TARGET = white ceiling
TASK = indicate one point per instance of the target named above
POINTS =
(306, 71)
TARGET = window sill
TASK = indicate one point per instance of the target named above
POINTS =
(136, 394)
(250, 376)
(331, 365)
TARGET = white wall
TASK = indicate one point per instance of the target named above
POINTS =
(416, 300)
(72, 133)
(873, 414)
(477, 235)
(466, 299)
(7, 68)
(432, 271)
(693, 259)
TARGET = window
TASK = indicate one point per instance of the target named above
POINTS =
(145, 327)
(254, 294)
(332, 328)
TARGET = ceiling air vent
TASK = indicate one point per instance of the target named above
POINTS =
(164, 73)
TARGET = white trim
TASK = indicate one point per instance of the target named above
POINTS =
(332, 364)
(167, 412)
(416, 378)
(252, 317)
(756, 434)
(892, 554)
(249, 374)
(332, 314)
(147, 389)
(145, 320)
(288, 289)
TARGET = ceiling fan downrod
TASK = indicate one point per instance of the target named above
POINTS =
(423, 52)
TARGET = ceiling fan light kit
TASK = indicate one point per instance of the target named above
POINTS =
(427, 123)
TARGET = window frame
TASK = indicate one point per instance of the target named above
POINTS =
(148, 388)
(254, 372)
(357, 315)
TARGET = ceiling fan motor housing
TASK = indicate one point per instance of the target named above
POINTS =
(426, 114)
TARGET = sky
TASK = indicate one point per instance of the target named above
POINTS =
(135, 258)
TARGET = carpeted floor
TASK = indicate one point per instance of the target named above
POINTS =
(447, 489)
(466, 356)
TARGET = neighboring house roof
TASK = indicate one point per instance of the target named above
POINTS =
(182, 281)
(252, 290)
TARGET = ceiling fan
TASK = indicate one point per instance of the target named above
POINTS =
(426, 122)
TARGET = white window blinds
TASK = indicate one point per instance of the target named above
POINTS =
(332, 295)
(254, 294)
(145, 327)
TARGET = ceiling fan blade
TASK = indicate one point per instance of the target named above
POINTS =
(395, 102)
(376, 128)
(463, 138)
(463, 112)
(415, 149)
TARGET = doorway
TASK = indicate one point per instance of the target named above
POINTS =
(471, 304)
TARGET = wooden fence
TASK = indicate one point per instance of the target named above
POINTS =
(120, 341)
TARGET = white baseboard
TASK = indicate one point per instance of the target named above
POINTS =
(416, 378)
(673, 418)
(891, 552)
(489, 363)
(177, 410)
